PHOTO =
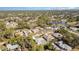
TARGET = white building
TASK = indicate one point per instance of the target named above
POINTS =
(56, 47)
(61, 46)
(39, 40)
(12, 47)
(35, 30)
(23, 32)
(11, 24)
(48, 37)
(54, 28)
(58, 35)
(18, 33)
(74, 28)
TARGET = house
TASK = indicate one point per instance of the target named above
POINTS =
(54, 28)
(13, 18)
(18, 18)
(61, 16)
(48, 30)
(56, 47)
(57, 22)
(35, 30)
(63, 22)
(77, 25)
(57, 35)
(48, 37)
(74, 28)
(54, 16)
(12, 46)
(39, 40)
(64, 46)
(61, 46)
(11, 24)
(18, 33)
(75, 15)
(24, 32)
(2, 43)
(38, 30)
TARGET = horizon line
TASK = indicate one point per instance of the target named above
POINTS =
(36, 8)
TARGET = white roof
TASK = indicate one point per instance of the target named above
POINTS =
(56, 47)
(40, 41)
(57, 35)
(11, 24)
(65, 46)
(9, 46)
(48, 37)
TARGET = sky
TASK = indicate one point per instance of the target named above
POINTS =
(46, 4)
(39, 3)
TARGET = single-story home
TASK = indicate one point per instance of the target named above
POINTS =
(39, 40)
(11, 46)
(48, 37)
(62, 46)
(11, 24)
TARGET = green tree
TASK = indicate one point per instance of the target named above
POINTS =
(7, 33)
(43, 21)
(2, 25)
(23, 24)
(77, 18)
(40, 48)
(32, 43)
